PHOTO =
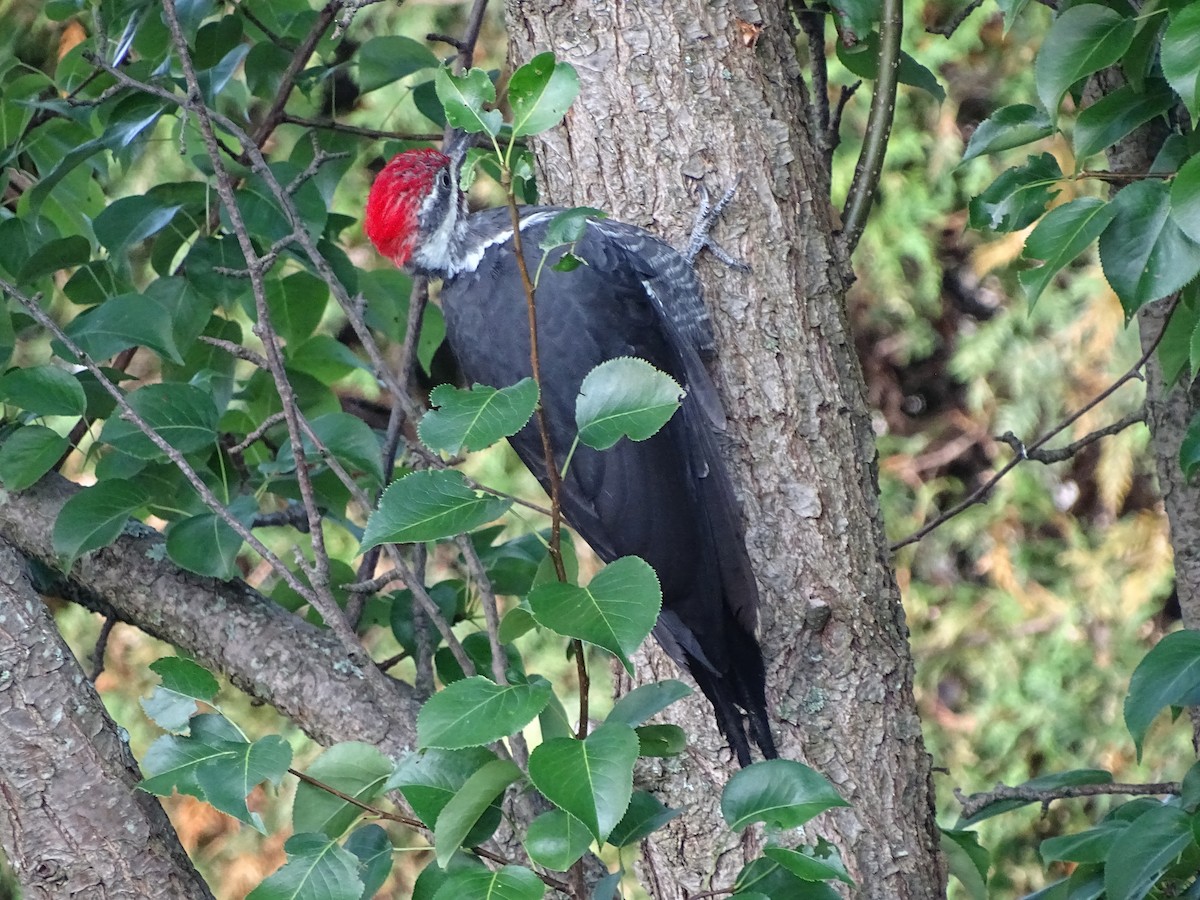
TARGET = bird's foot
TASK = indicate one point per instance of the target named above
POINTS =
(706, 218)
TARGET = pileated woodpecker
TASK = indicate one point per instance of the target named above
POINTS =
(667, 499)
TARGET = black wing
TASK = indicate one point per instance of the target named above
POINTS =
(667, 499)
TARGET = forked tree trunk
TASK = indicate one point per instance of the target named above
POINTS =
(691, 89)
(72, 821)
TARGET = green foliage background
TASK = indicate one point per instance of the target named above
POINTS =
(1028, 613)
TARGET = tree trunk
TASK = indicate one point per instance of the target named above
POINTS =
(690, 90)
(73, 822)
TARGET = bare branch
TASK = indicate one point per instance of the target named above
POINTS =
(956, 21)
(980, 494)
(976, 803)
(1061, 454)
(879, 127)
(375, 133)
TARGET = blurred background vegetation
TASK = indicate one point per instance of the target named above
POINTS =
(1028, 613)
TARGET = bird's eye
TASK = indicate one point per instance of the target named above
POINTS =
(443, 178)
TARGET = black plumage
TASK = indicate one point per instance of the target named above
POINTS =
(667, 499)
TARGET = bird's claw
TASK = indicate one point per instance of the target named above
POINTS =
(706, 218)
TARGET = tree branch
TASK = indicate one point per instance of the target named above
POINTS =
(879, 127)
(266, 651)
(980, 494)
(975, 803)
(58, 745)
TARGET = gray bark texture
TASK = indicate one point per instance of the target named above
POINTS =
(1169, 408)
(268, 652)
(72, 822)
(672, 93)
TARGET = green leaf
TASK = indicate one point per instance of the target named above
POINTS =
(463, 97)
(130, 220)
(1042, 783)
(430, 779)
(811, 863)
(1169, 675)
(1116, 115)
(173, 703)
(296, 304)
(357, 770)
(478, 417)
(183, 415)
(1181, 56)
(317, 869)
(591, 779)
(863, 60)
(859, 16)
(1064, 233)
(476, 711)
(371, 845)
(644, 816)
(1185, 198)
(766, 878)
(464, 810)
(1151, 843)
(45, 390)
(508, 883)
(569, 226)
(1144, 253)
(642, 702)
(1008, 127)
(557, 840)
(615, 611)
(124, 321)
(54, 256)
(1089, 846)
(29, 453)
(216, 765)
(1189, 449)
(624, 397)
(228, 781)
(968, 860)
(351, 441)
(780, 792)
(386, 59)
(661, 740)
(95, 517)
(1083, 39)
(540, 93)
(1018, 196)
(428, 506)
(205, 544)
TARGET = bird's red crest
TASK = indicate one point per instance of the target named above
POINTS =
(395, 198)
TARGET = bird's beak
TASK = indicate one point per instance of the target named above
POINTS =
(456, 145)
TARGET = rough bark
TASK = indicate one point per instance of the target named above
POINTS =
(1169, 408)
(268, 652)
(679, 91)
(73, 822)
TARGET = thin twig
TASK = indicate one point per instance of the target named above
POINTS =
(267, 424)
(129, 414)
(1060, 454)
(343, 128)
(238, 351)
(976, 803)
(879, 127)
(100, 647)
(321, 596)
(296, 65)
(979, 495)
(956, 21)
(417, 824)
